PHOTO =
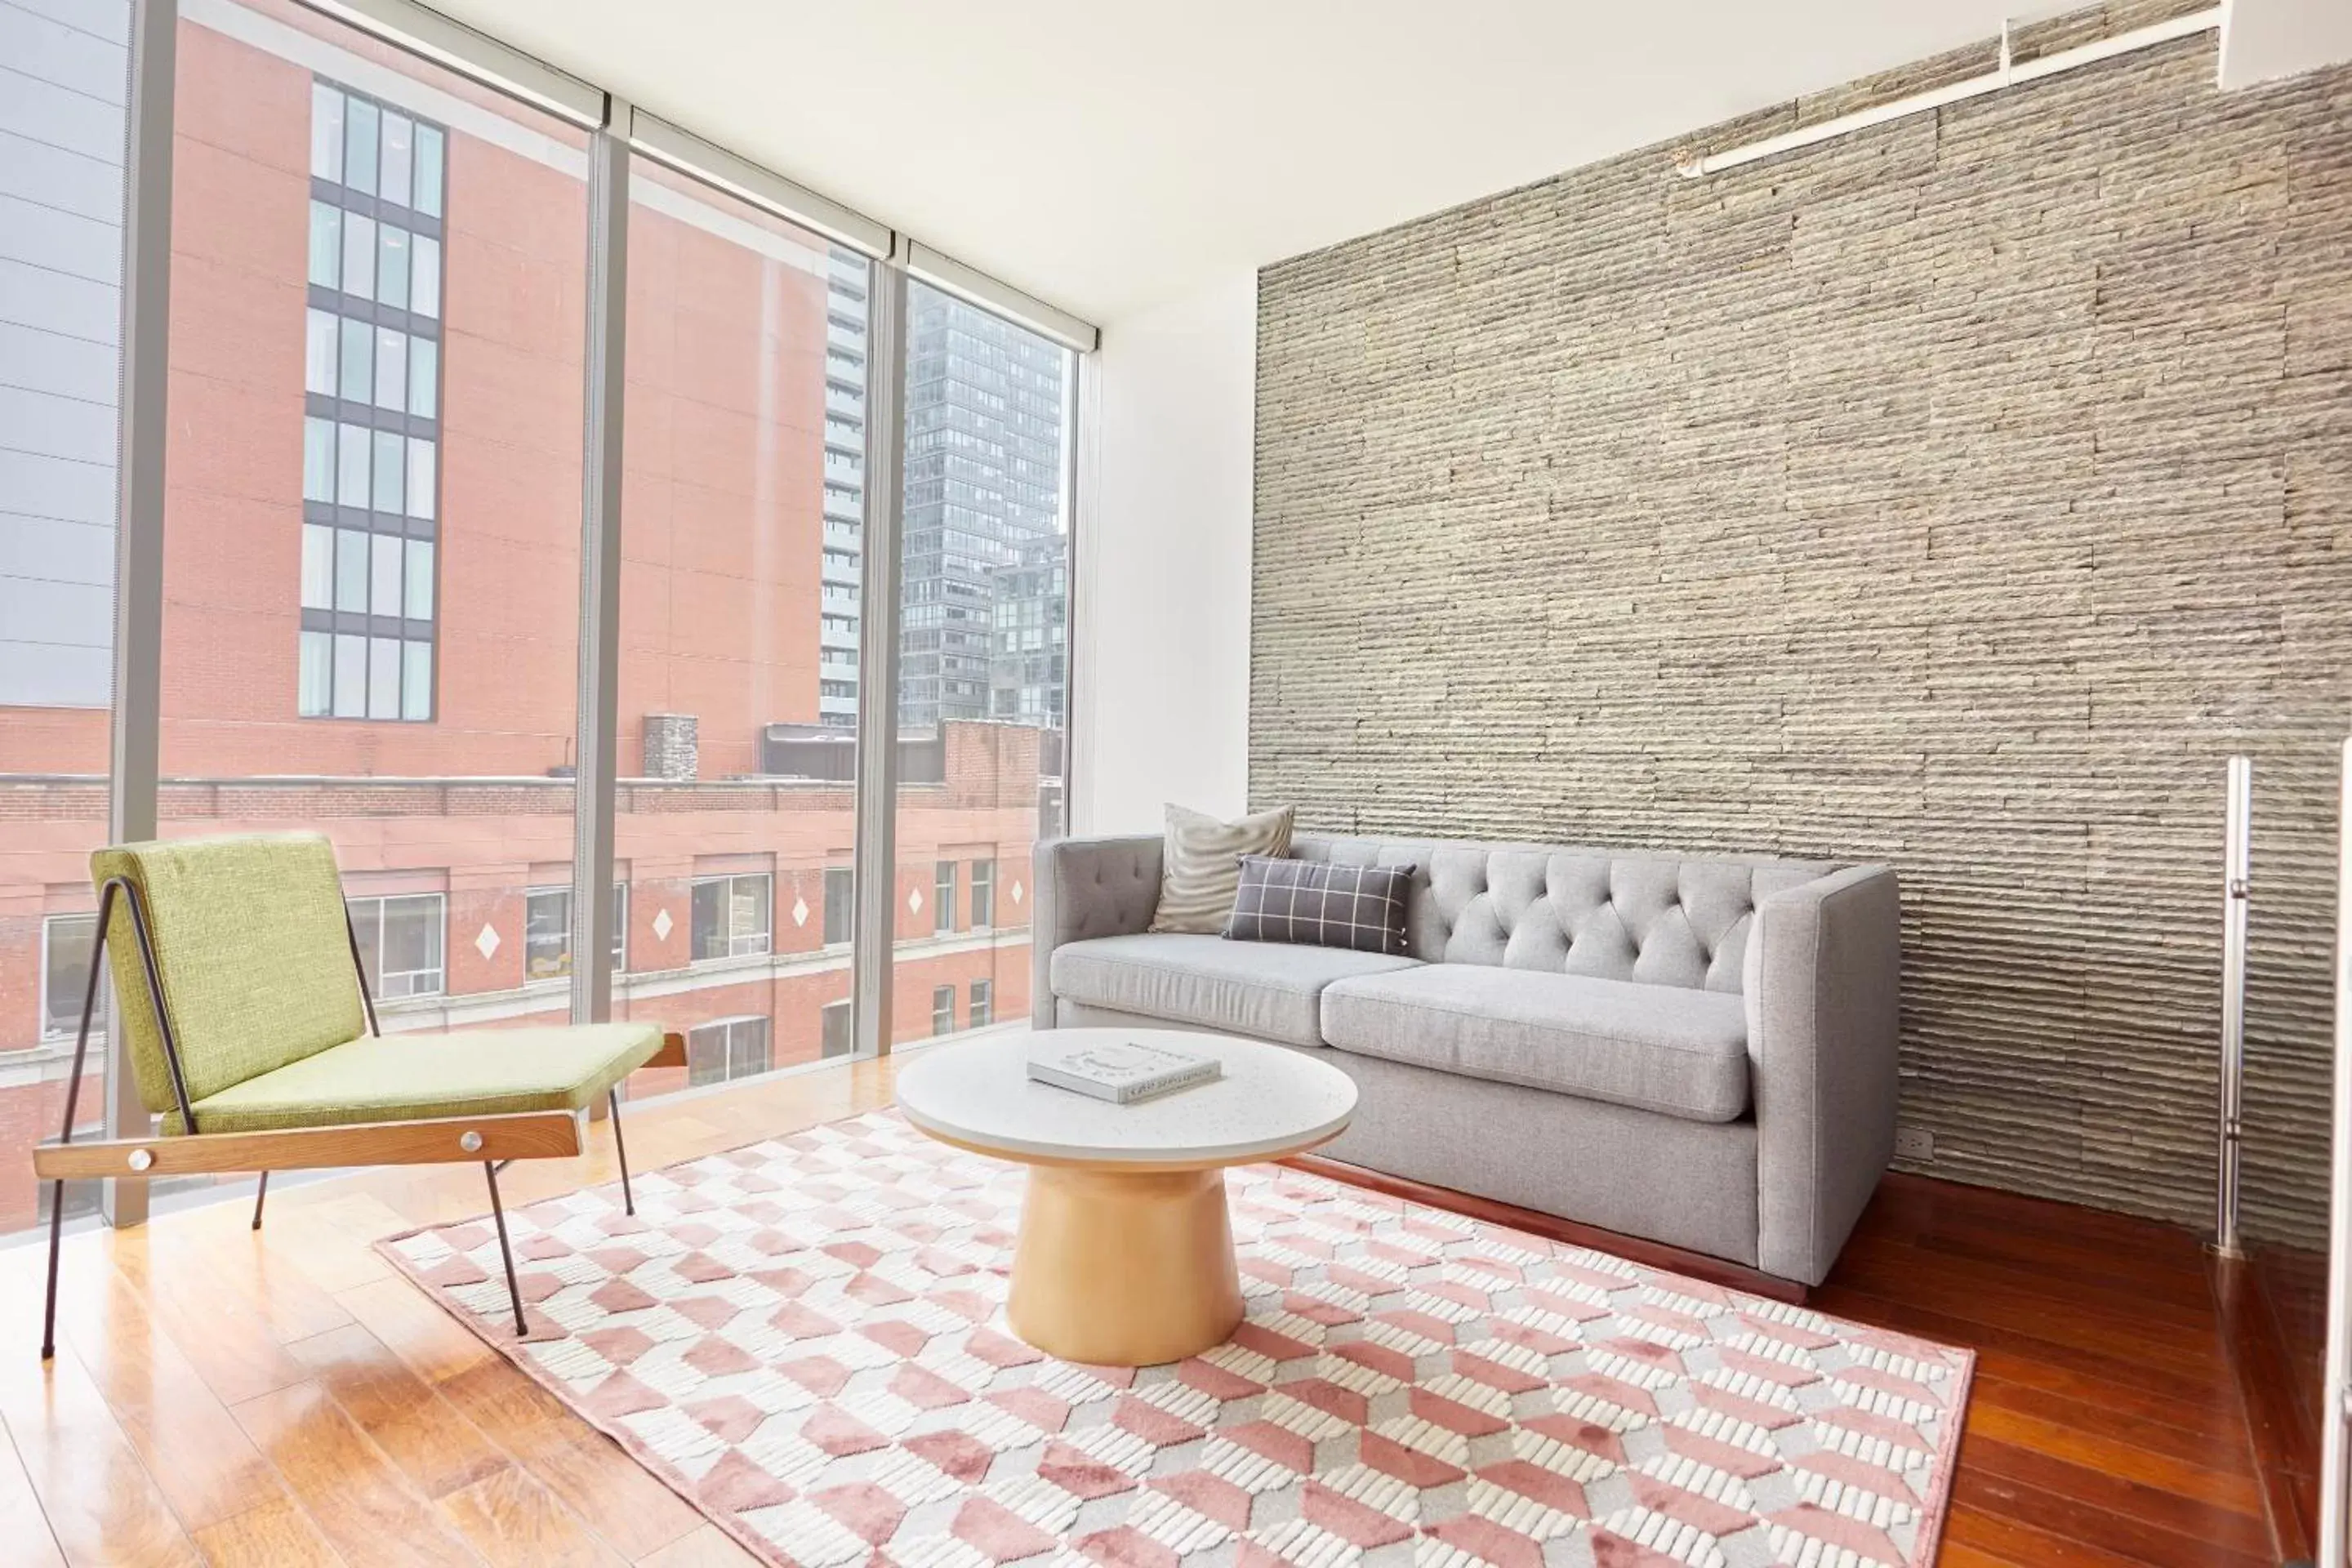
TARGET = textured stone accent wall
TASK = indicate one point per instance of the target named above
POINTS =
(1957, 495)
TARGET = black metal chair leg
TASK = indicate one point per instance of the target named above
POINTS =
(57, 1239)
(498, 1213)
(621, 1149)
(260, 1196)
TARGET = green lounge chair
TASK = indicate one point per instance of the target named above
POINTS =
(251, 1034)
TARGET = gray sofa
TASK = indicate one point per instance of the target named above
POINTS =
(1698, 1051)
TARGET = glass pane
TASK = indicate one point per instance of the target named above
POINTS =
(61, 93)
(318, 567)
(425, 285)
(548, 935)
(350, 465)
(429, 169)
(731, 315)
(384, 575)
(424, 377)
(391, 181)
(317, 460)
(420, 477)
(392, 266)
(416, 680)
(391, 369)
(417, 601)
(359, 361)
(351, 678)
(314, 695)
(432, 693)
(359, 256)
(326, 246)
(326, 132)
(983, 647)
(352, 571)
(319, 354)
(384, 678)
(389, 490)
(359, 145)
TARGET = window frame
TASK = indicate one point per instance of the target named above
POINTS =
(943, 1000)
(699, 1034)
(944, 880)
(620, 947)
(766, 935)
(400, 503)
(43, 1000)
(982, 1004)
(375, 974)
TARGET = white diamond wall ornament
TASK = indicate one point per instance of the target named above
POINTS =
(486, 943)
(800, 911)
(662, 922)
(914, 899)
(1016, 893)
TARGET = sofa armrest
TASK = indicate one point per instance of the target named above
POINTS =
(1086, 888)
(1823, 984)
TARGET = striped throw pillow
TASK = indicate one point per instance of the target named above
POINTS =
(1202, 866)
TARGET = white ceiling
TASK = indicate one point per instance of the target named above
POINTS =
(1108, 154)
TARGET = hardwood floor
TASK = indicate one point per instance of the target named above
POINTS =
(224, 1397)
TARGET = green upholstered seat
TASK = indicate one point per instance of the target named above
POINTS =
(252, 950)
(407, 1078)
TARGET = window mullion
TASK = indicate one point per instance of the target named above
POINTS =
(600, 571)
(875, 883)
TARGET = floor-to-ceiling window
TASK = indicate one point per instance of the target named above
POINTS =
(983, 660)
(371, 622)
(373, 493)
(61, 154)
(743, 538)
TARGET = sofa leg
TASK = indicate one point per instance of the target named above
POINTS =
(260, 1196)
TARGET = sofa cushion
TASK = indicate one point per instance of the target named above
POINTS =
(1668, 1048)
(1250, 988)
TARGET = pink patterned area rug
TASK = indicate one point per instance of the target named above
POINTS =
(805, 1339)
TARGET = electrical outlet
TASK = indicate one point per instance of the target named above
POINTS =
(1915, 1143)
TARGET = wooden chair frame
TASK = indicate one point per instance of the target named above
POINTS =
(496, 1140)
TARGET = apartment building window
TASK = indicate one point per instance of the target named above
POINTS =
(836, 1033)
(983, 894)
(400, 940)
(943, 898)
(67, 943)
(547, 931)
(730, 917)
(372, 424)
(984, 1004)
(840, 905)
(727, 1049)
(942, 1009)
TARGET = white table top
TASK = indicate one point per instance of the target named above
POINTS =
(1270, 1101)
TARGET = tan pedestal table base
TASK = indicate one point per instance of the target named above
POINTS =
(1124, 1268)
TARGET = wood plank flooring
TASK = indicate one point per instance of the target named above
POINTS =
(224, 1397)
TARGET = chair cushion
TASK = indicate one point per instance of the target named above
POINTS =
(252, 949)
(1248, 987)
(1668, 1048)
(409, 1077)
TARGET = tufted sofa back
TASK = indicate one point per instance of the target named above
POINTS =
(1659, 919)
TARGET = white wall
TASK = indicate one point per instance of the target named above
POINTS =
(1163, 587)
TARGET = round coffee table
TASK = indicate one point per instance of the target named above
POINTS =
(1126, 1254)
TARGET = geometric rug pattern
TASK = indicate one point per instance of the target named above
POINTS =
(805, 1339)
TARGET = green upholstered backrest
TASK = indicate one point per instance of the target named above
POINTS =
(251, 947)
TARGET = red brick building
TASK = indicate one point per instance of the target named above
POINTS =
(448, 817)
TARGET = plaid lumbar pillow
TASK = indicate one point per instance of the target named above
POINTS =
(1201, 865)
(1359, 907)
